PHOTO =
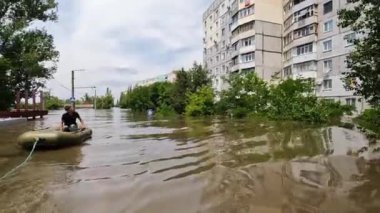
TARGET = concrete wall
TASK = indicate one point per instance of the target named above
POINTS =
(269, 10)
(268, 54)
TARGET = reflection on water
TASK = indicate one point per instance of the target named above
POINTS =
(138, 164)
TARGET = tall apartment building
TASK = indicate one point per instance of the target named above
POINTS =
(243, 36)
(316, 47)
(216, 41)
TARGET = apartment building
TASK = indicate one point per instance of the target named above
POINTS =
(243, 36)
(316, 47)
(256, 38)
(169, 77)
(216, 41)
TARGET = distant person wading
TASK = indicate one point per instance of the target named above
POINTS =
(69, 120)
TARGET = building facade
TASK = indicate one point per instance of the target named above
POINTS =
(170, 77)
(280, 39)
(242, 36)
(316, 47)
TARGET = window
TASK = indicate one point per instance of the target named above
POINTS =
(217, 58)
(349, 1)
(305, 49)
(288, 38)
(247, 57)
(223, 31)
(327, 66)
(327, 84)
(304, 13)
(288, 71)
(351, 102)
(248, 41)
(350, 38)
(328, 27)
(328, 7)
(246, 12)
(288, 55)
(327, 45)
(298, 1)
(243, 28)
(305, 31)
(306, 66)
(223, 56)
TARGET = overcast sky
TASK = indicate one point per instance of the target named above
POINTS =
(122, 41)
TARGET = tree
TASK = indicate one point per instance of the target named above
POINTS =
(105, 102)
(188, 82)
(53, 102)
(25, 53)
(364, 19)
(201, 102)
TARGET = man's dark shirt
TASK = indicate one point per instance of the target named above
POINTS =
(70, 119)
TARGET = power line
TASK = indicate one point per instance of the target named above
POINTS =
(60, 84)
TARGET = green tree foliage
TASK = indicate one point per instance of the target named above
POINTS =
(106, 101)
(370, 119)
(201, 103)
(87, 99)
(289, 100)
(188, 82)
(25, 52)
(53, 102)
(166, 98)
(364, 18)
(247, 94)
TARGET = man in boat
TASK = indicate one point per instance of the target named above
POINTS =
(69, 120)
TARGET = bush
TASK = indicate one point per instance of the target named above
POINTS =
(247, 93)
(165, 111)
(294, 100)
(53, 103)
(201, 103)
(370, 119)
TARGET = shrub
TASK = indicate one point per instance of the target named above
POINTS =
(370, 119)
(201, 103)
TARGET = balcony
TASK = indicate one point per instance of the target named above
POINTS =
(300, 41)
(304, 58)
(306, 21)
(305, 74)
(247, 65)
(247, 19)
(234, 25)
(242, 66)
(243, 35)
(303, 4)
(247, 49)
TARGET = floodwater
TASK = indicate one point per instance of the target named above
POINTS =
(138, 164)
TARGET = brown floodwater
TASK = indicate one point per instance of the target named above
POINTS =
(139, 164)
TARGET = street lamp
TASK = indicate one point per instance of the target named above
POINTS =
(72, 86)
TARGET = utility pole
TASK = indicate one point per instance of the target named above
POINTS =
(72, 89)
(95, 99)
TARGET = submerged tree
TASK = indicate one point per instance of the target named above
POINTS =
(364, 19)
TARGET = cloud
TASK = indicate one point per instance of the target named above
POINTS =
(122, 41)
